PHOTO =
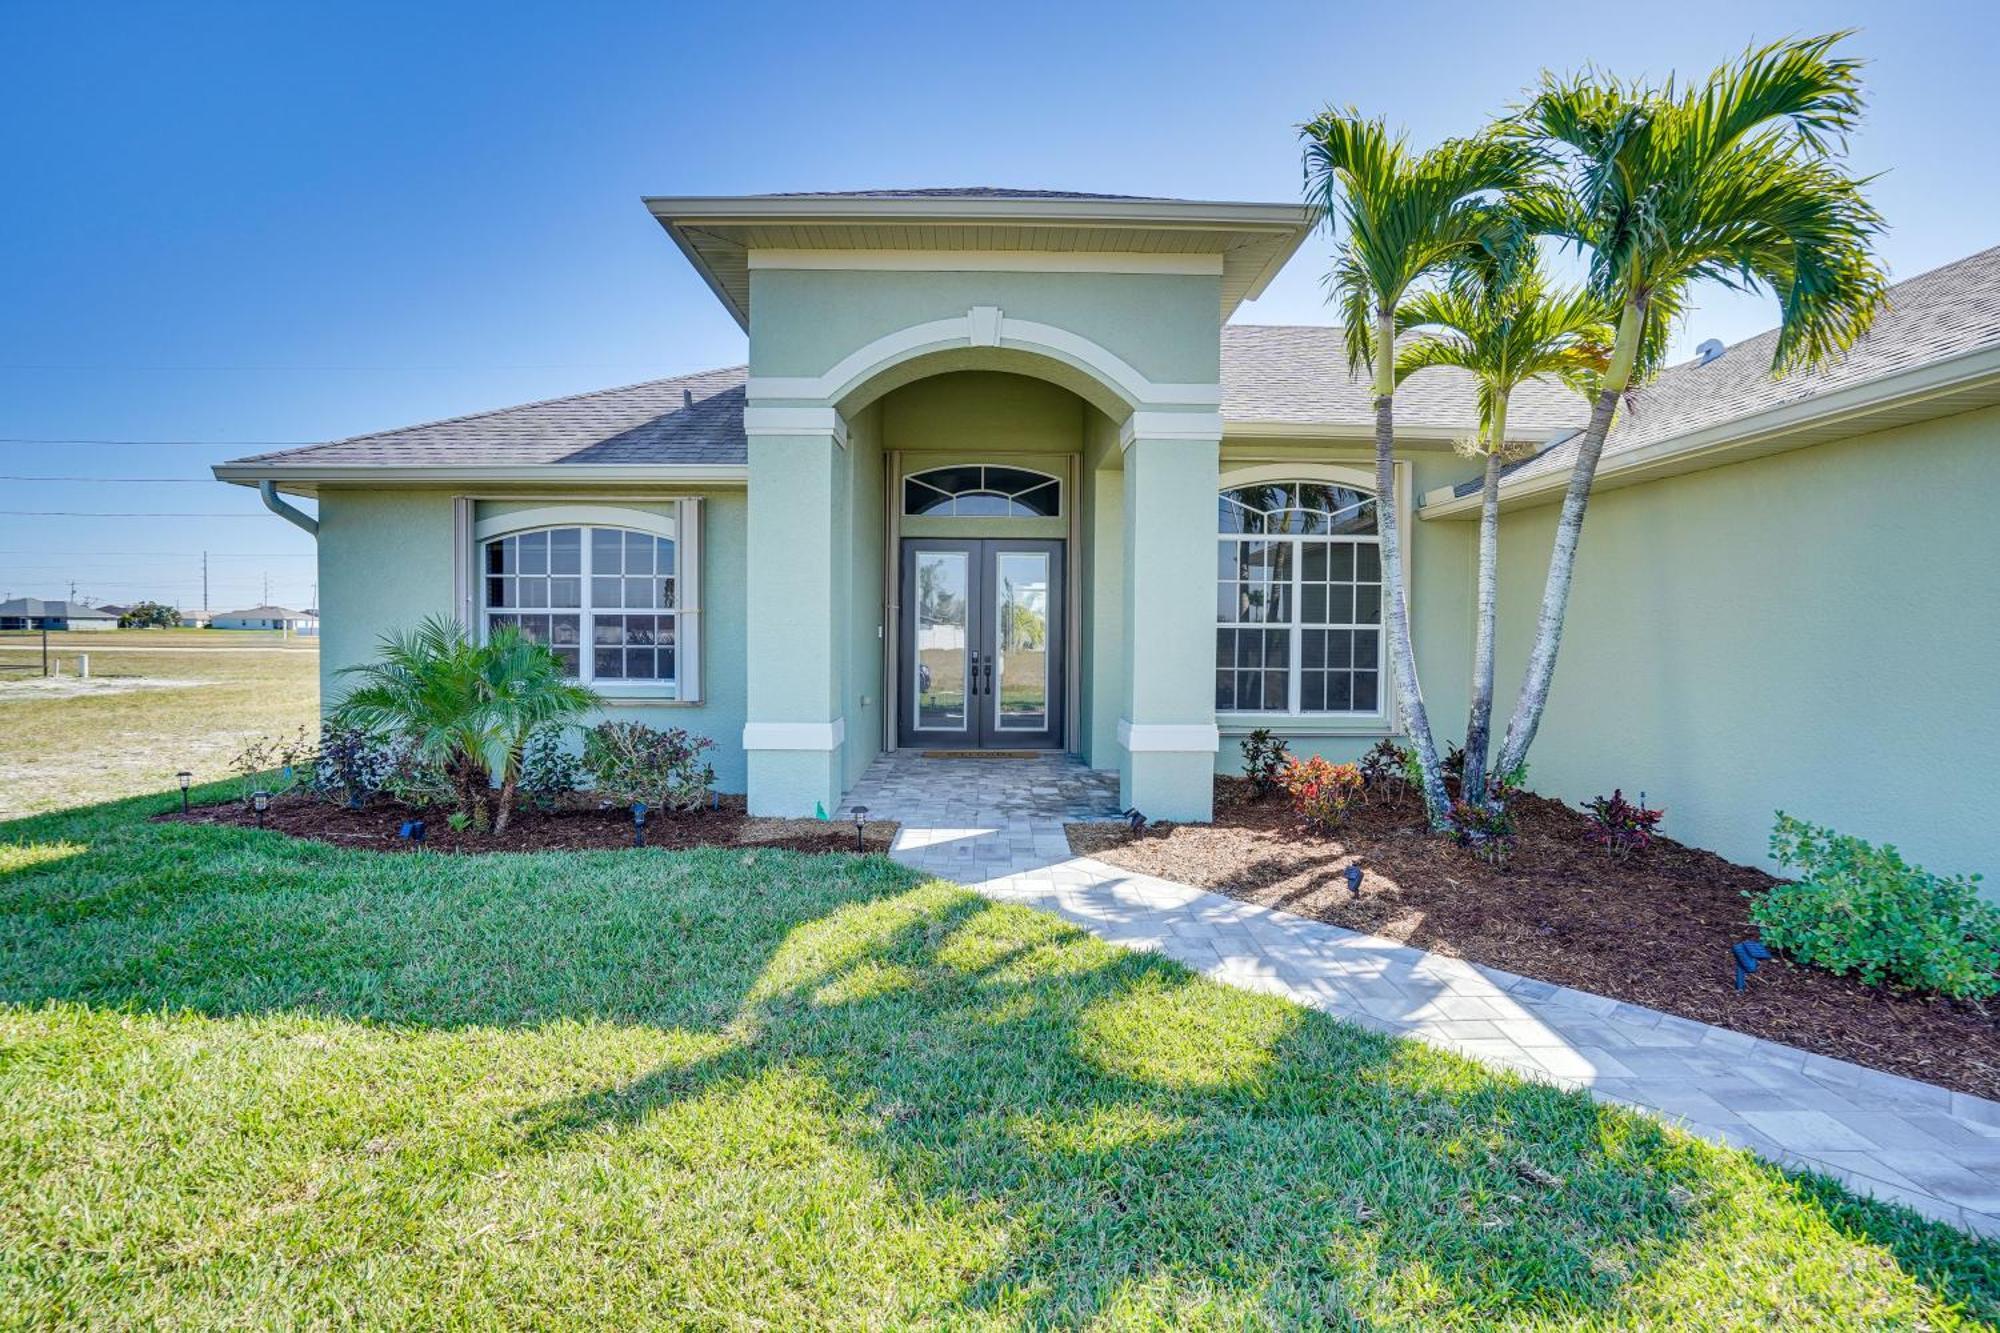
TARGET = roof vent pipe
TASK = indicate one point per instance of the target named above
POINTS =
(687, 398)
(285, 510)
(1708, 351)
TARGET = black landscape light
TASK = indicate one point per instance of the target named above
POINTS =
(260, 801)
(1747, 955)
(638, 823)
(1134, 819)
(1353, 873)
(860, 821)
(185, 777)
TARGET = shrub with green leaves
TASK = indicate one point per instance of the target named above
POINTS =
(1264, 755)
(550, 771)
(1861, 909)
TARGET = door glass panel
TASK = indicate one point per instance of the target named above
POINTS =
(1021, 640)
(942, 648)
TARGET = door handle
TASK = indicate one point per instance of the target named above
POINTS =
(972, 677)
(987, 689)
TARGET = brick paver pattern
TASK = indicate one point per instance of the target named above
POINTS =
(996, 825)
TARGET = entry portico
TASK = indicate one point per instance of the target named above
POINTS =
(883, 433)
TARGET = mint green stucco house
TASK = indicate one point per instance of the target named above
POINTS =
(1000, 474)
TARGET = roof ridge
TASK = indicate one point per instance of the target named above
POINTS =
(496, 411)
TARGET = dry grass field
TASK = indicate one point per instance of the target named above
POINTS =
(157, 701)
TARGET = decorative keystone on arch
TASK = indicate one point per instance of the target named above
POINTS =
(983, 325)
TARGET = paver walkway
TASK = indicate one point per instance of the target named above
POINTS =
(997, 826)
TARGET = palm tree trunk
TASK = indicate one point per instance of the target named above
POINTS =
(510, 781)
(1402, 654)
(1535, 682)
(1479, 724)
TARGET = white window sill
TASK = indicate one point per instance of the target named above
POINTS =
(1304, 724)
(640, 694)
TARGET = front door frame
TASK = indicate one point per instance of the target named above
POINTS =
(982, 730)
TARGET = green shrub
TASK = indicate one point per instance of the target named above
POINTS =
(631, 763)
(549, 771)
(1264, 754)
(1861, 909)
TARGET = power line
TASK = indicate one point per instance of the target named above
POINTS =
(189, 481)
(202, 444)
(191, 555)
(113, 513)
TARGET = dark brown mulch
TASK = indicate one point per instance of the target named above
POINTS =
(582, 829)
(1655, 929)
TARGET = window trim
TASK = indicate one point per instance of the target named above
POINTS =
(1385, 719)
(682, 526)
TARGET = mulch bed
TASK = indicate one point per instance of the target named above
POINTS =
(1654, 929)
(585, 828)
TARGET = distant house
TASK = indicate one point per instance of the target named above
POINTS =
(268, 617)
(114, 610)
(35, 613)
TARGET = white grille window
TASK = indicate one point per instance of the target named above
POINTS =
(606, 599)
(1298, 607)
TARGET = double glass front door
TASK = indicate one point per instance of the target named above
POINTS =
(981, 652)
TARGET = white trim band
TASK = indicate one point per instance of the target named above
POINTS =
(795, 421)
(1168, 737)
(1170, 426)
(794, 735)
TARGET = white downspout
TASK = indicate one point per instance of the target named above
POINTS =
(284, 509)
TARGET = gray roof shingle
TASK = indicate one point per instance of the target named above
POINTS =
(682, 419)
(1273, 374)
(66, 610)
(1946, 312)
(1297, 374)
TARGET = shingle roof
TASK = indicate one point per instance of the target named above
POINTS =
(1272, 374)
(263, 613)
(1944, 313)
(66, 610)
(1297, 374)
(682, 419)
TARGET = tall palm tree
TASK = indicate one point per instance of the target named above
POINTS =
(1500, 320)
(1737, 180)
(1405, 215)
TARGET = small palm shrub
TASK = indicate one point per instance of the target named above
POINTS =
(1488, 831)
(1264, 757)
(631, 763)
(1861, 909)
(464, 707)
(1385, 768)
(1619, 826)
(550, 771)
(1321, 791)
(351, 766)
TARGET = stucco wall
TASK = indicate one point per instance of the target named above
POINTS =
(1817, 631)
(385, 562)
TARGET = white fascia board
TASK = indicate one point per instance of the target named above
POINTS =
(1713, 446)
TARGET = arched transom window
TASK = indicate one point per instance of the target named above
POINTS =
(981, 490)
(605, 598)
(1298, 606)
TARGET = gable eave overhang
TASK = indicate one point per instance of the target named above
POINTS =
(307, 478)
(1940, 388)
(716, 233)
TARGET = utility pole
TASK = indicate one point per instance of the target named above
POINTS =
(72, 590)
(204, 585)
(267, 587)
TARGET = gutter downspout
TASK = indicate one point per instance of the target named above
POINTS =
(284, 509)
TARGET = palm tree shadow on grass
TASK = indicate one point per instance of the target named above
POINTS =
(1145, 1131)
(1138, 1129)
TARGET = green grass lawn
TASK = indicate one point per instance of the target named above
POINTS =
(158, 701)
(251, 1081)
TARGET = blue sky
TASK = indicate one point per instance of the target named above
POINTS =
(245, 223)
